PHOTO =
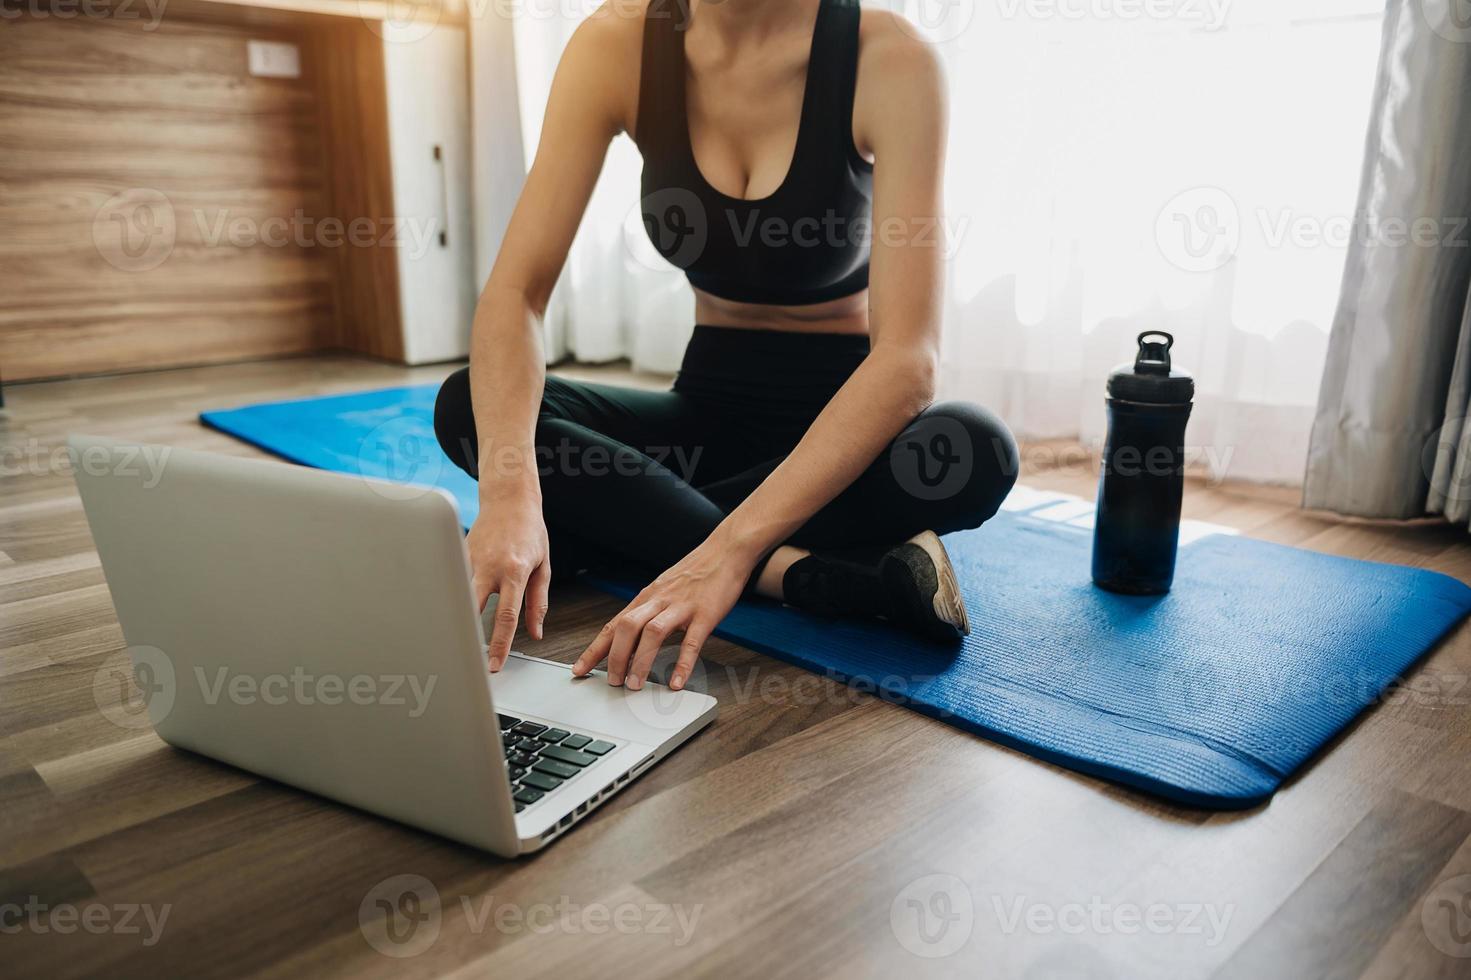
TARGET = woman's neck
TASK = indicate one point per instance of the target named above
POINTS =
(746, 21)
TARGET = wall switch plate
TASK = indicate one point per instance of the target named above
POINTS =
(273, 59)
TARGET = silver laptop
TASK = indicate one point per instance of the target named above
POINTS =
(320, 629)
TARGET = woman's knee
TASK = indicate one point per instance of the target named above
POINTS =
(454, 421)
(959, 457)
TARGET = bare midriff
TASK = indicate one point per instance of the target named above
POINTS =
(847, 314)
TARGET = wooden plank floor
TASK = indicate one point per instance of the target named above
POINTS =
(812, 830)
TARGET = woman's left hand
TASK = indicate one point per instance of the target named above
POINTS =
(692, 597)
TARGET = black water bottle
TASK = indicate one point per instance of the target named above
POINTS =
(1137, 528)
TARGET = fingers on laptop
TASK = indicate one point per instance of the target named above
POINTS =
(695, 636)
(631, 641)
(659, 628)
(536, 598)
(617, 633)
(507, 613)
(630, 626)
(512, 591)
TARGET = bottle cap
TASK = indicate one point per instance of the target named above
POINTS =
(1151, 378)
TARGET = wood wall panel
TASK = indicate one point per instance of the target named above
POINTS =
(166, 116)
(353, 105)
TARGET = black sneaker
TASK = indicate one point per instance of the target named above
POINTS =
(910, 585)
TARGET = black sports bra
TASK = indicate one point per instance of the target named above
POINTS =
(807, 241)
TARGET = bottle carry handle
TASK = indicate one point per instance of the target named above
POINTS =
(1154, 357)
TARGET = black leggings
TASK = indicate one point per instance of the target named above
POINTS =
(641, 477)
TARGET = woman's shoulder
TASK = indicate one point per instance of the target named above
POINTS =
(889, 44)
(604, 53)
(615, 25)
(900, 90)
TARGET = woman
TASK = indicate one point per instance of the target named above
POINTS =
(793, 160)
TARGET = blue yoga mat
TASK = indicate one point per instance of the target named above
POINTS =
(1210, 696)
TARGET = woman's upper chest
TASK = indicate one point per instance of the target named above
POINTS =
(744, 110)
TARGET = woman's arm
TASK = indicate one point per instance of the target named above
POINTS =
(593, 98)
(901, 117)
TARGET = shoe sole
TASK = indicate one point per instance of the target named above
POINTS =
(948, 604)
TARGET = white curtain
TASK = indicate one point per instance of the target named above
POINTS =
(1114, 166)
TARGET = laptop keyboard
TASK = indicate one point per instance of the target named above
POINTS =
(540, 758)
